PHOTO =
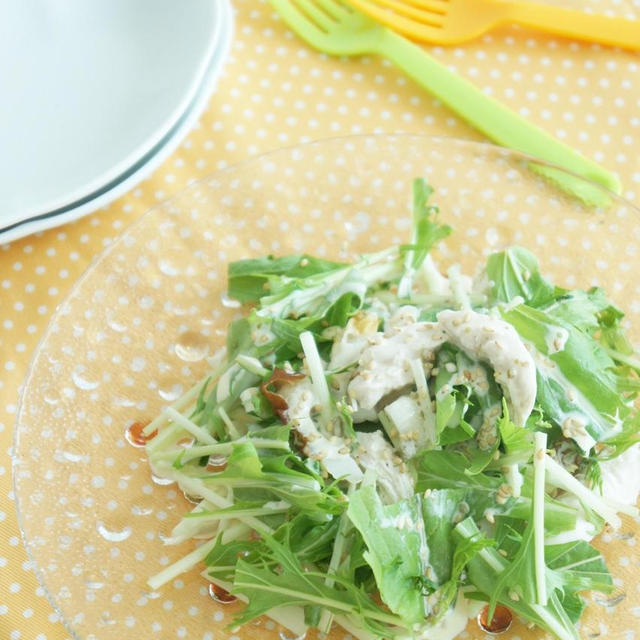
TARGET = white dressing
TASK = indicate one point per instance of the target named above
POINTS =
(498, 343)
(454, 623)
(515, 480)
(385, 365)
(584, 530)
(261, 334)
(408, 435)
(556, 338)
(621, 476)
(332, 452)
(392, 479)
(346, 350)
(573, 426)
(247, 396)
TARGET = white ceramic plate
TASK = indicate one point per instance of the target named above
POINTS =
(143, 168)
(95, 95)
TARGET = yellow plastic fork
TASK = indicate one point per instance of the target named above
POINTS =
(454, 21)
(336, 29)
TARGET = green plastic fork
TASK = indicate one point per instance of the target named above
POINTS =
(337, 29)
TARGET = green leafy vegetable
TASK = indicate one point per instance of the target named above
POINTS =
(396, 543)
(515, 273)
(250, 280)
(427, 232)
(576, 379)
(352, 464)
(291, 585)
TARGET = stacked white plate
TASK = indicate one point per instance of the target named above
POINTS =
(95, 95)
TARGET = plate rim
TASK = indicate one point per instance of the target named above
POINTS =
(113, 174)
(145, 165)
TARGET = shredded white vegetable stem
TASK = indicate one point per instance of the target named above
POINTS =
(606, 509)
(291, 617)
(179, 405)
(198, 432)
(231, 428)
(191, 559)
(197, 487)
(417, 369)
(539, 458)
(316, 370)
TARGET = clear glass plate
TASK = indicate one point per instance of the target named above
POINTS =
(134, 332)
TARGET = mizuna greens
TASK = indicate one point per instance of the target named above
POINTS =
(381, 445)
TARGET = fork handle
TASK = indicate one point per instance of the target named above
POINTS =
(494, 119)
(570, 23)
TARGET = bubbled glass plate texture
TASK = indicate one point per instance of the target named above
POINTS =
(136, 329)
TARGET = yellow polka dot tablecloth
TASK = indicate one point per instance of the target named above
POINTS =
(276, 92)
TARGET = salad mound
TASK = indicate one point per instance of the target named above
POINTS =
(389, 448)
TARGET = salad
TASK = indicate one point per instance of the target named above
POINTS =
(391, 449)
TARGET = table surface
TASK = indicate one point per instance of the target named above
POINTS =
(276, 92)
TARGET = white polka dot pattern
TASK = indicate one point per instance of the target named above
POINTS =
(276, 92)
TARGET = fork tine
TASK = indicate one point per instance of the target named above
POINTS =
(335, 8)
(298, 21)
(439, 6)
(428, 10)
(316, 15)
(400, 15)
